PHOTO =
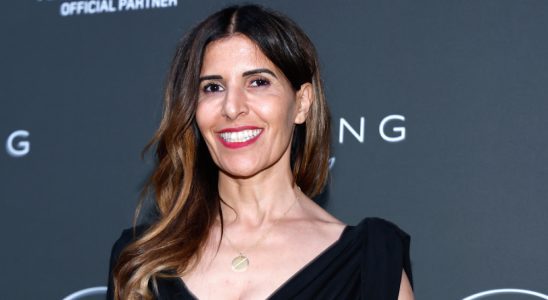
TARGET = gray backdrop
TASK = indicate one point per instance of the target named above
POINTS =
(460, 165)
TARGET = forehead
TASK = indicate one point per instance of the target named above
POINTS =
(235, 52)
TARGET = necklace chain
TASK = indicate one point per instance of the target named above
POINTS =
(241, 262)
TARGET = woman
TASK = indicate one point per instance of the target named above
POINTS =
(242, 147)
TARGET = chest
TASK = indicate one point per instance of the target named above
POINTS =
(270, 266)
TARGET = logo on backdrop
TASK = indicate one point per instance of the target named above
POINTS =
(82, 294)
(17, 143)
(92, 7)
(488, 294)
(390, 129)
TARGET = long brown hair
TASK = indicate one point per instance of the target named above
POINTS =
(184, 181)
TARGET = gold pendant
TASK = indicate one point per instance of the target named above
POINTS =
(240, 263)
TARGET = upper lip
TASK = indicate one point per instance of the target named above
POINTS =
(239, 128)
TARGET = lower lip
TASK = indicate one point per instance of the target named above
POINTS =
(237, 145)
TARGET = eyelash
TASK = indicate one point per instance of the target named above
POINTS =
(207, 87)
(259, 82)
(263, 81)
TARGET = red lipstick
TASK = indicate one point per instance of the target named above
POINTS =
(234, 138)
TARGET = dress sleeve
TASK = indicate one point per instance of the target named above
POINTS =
(386, 255)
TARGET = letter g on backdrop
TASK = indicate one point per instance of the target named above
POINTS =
(16, 148)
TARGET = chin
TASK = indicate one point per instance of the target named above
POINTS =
(239, 174)
(241, 170)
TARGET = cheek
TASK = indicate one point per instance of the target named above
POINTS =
(205, 121)
(202, 118)
(280, 108)
(288, 112)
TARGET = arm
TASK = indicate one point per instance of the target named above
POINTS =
(406, 292)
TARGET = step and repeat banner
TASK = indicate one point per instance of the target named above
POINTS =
(440, 113)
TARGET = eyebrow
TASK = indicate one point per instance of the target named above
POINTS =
(256, 71)
(244, 74)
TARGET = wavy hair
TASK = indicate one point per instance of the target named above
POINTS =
(184, 181)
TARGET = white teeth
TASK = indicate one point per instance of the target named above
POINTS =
(240, 136)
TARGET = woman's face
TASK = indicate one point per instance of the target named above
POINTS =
(247, 108)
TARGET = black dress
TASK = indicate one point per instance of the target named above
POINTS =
(366, 262)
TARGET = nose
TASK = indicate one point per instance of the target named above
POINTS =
(235, 104)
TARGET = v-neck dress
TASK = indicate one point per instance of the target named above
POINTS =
(366, 262)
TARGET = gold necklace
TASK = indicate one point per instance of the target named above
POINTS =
(241, 262)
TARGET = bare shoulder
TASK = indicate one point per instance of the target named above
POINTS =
(317, 219)
(313, 210)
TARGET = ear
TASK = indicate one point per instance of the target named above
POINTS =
(305, 97)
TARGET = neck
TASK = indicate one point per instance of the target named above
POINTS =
(253, 202)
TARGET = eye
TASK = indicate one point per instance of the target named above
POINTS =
(212, 88)
(260, 82)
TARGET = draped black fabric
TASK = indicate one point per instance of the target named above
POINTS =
(366, 262)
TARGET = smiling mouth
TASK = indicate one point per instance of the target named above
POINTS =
(240, 136)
